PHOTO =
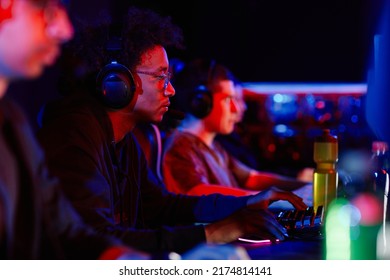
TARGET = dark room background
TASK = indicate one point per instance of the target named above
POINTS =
(276, 41)
(260, 40)
(272, 40)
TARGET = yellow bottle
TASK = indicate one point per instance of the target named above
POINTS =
(325, 175)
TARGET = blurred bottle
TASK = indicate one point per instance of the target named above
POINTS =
(380, 164)
(337, 230)
(383, 242)
(325, 175)
(366, 216)
(352, 227)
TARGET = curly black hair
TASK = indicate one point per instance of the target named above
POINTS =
(140, 30)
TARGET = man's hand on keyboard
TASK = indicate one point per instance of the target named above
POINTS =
(264, 198)
(244, 222)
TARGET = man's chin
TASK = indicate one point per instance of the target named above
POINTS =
(226, 132)
(154, 119)
(32, 73)
(158, 119)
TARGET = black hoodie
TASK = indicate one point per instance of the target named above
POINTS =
(36, 220)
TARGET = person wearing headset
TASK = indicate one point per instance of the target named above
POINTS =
(90, 145)
(194, 163)
(36, 220)
(233, 142)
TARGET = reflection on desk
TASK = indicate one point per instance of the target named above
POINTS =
(285, 250)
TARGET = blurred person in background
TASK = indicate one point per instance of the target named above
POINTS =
(194, 163)
(232, 142)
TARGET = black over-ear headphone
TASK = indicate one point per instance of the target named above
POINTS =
(201, 102)
(202, 99)
(115, 83)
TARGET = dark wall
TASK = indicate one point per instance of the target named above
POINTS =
(279, 40)
(260, 40)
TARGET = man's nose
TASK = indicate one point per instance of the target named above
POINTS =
(60, 27)
(169, 91)
(233, 106)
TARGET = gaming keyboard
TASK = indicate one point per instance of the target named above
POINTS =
(303, 224)
(300, 224)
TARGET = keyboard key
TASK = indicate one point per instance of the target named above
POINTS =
(318, 218)
(303, 224)
(308, 217)
(299, 219)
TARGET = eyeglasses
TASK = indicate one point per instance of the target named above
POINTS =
(49, 8)
(166, 77)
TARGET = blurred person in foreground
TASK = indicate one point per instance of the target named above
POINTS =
(36, 220)
(90, 145)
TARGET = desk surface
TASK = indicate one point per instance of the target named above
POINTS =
(285, 250)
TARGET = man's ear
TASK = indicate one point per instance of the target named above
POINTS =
(5, 9)
(138, 84)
